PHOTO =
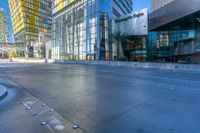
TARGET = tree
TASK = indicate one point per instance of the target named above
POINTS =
(118, 38)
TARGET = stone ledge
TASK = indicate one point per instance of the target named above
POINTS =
(173, 66)
(3, 92)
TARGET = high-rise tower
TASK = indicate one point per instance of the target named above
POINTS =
(31, 20)
(3, 26)
(82, 28)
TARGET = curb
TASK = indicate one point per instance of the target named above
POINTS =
(170, 66)
(3, 92)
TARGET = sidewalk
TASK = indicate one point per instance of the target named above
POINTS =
(25, 60)
(34, 61)
(2, 61)
(3, 92)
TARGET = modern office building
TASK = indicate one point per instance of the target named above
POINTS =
(82, 28)
(4, 35)
(31, 21)
(175, 32)
(157, 4)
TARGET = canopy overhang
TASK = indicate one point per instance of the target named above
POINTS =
(177, 15)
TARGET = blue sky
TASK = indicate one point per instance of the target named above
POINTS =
(138, 4)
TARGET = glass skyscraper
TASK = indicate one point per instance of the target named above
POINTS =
(31, 20)
(82, 28)
(3, 26)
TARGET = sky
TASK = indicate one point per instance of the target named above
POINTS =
(138, 4)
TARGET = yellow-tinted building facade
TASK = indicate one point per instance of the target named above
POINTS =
(29, 19)
(60, 4)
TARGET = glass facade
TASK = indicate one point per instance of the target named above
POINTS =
(135, 48)
(173, 46)
(30, 19)
(82, 29)
(174, 35)
(3, 26)
(78, 29)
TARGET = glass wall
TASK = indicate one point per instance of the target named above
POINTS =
(135, 48)
(81, 31)
(171, 46)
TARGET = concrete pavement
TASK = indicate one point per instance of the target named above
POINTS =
(101, 99)
(22, 112)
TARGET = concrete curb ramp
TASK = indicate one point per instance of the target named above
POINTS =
(3, 92)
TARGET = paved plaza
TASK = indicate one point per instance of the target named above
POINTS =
(45, 98)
